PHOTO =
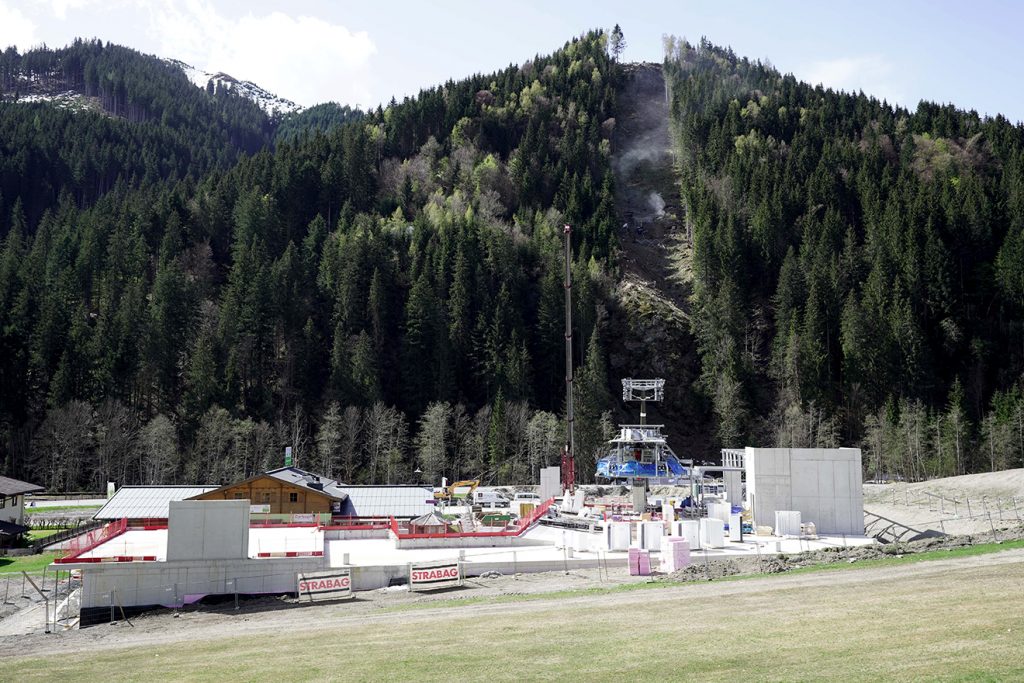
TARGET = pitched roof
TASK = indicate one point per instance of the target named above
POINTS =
(308, 480)
(14, 487)
(296, 477)
(388, 501)
(430, 519)
(146, 502)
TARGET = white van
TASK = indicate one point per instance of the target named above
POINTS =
(489, 499)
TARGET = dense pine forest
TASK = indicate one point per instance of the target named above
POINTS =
(858, 268)
(188, 285)
(182, 295)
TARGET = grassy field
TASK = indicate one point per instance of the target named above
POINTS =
(36, 534)
(60, 508)
(929, 621)
(33, 564)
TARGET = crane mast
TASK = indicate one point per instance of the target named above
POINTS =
(569, 452)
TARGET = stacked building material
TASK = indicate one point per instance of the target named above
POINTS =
(639, 562)
(675, 554)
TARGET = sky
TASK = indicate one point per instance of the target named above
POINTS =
(363, 53)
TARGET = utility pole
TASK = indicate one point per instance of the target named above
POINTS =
(569, 452)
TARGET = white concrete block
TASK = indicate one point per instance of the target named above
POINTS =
(735, 528)
(690, 530)
(619, 535)
(712, 533)
(719, 511)
(787, 522)
(550, 482)
(733, 487)
(650, 534)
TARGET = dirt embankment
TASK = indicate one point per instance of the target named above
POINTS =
(650, 323)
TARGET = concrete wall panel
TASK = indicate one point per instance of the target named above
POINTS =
(824, 484)
(208, 530)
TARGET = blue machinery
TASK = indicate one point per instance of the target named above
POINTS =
(640, 452)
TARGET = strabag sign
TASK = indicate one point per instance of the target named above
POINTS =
(431, 575)
(330, 585)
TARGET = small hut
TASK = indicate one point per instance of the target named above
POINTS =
(431, 523)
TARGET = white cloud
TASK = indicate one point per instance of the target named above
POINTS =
(16, 28)
(871, 73)
(302, 58)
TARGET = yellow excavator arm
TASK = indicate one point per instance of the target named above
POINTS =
(448, 493)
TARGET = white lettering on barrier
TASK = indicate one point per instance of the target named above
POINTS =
(336, 583)
(434, 575)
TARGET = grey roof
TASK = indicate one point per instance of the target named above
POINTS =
(433, 518)
(14, 487)
(388, 501)
(146, 502)
(308, 480)
(12, 529)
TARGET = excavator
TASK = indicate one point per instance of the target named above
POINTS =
(448, 493)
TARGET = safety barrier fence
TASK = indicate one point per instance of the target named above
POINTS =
(515, 528)
(80, 545)
(260, 519)
(115, 558)
(357, 523)
(293, 553)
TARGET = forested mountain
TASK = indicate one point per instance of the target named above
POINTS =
(858, 268)
(321, 117)
(187, 286)
(133, 120)
(327, 293)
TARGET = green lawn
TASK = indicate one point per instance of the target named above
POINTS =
(33, 564)
(61, 508)
(966, 551)
(36, 534)
(962, 623)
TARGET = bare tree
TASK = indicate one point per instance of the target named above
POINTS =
(517, 420)
(352, 423)
(117, 431)
(461, 437)
(209, 461)
(62, 446)
(159, 449)
(396, 465)
(328, 439)
(375, 427)
(432, 440)
(543, 436)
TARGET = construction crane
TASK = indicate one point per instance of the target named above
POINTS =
(569, 452)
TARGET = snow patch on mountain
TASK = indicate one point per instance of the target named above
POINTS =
(68, 99)
(268, 101)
